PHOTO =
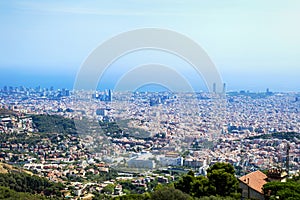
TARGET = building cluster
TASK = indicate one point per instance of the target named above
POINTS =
(183, 130)
(252, 184)
(274, 113)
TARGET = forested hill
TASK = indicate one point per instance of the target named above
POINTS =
(16, 183)
(290, 136)
(60, 124)
(53, 124)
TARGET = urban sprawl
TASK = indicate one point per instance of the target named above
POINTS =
(134, 134)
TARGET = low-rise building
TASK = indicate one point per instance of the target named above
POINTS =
(252, 185)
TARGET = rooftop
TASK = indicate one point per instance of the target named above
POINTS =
(255, 180)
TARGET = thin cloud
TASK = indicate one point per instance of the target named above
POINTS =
(59, 8)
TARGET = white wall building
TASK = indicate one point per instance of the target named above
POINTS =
(171, 161)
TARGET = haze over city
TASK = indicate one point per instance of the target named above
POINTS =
(254, 45)
(150, 100)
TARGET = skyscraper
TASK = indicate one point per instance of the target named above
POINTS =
(109, 95)
(214, 88)
(224, 88)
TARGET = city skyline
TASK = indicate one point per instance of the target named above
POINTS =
(149, 100)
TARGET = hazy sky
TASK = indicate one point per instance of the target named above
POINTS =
(254, 44)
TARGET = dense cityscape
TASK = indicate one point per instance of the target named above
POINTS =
(95, 141)
(149, 100)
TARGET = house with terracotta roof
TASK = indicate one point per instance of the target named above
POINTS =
(277, 175)
(252, 185)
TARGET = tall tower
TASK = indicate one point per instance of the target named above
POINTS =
(224, 88)
(214, 88)
(109, 95)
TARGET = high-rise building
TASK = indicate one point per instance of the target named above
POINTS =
(214, 88)
(224, 88)
(109, 95)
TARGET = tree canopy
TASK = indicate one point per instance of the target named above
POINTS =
(53, 124)
(23, 182)
(8, 194)
(221, 176)
(220, 181)
(282, 190)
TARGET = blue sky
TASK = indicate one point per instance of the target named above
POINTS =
(254, 44)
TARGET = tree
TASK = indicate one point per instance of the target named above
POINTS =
(8, 194)
(168, 193)
(220, 184)
(225, 166)
(133, 197)
(131, 188)
(221, 177)
(185, 183)
(23, 182)
(109, 189)
(282, 191)
(201, 187)
(220, 181)
(217, 198)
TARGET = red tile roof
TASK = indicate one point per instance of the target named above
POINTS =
(256, 181)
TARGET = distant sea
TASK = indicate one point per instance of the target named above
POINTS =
(58, 81)
(65, 79)
(32, 79)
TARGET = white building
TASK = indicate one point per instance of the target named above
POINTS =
(171, 161)
(142, 161)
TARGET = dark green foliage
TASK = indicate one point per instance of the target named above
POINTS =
(221, 177)
(98, 196)
(278, 190)
(21, 138)
(168, 193)
(8, 194)
(220, 184)
(217, 198)
(133, 197)
(185, 183)
(220, 181)
(121, 128)
(22, 182)
(195, 186)
(224, 183)
(111, 127)
(54, 124)
(102, 176)
(59, 124)
(296, 178)
(224, 166)
(151, 185)
(134, 189)
(290, 136)
(201, 187)
(109, 189)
